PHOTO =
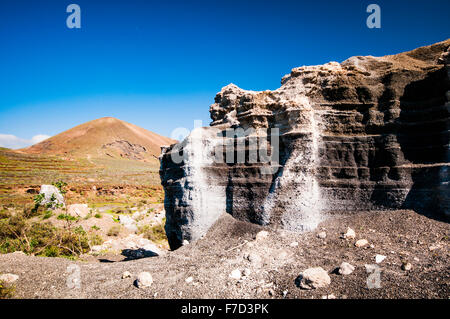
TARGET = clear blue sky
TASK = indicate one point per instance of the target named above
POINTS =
(159, 64)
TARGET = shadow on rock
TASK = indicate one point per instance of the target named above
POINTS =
(132, 254)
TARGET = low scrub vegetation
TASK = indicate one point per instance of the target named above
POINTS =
(18, 233)
(114, 231)
(6, 291)
(155, 233)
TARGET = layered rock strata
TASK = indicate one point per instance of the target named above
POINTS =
(370, 133)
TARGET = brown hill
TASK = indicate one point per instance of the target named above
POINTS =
(106, 137)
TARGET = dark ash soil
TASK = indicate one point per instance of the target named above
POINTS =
(402, 236)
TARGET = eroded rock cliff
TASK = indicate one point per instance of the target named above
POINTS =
(368, 133)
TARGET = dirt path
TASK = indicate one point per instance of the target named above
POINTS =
(274, 263)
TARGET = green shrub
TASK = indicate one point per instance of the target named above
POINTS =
(114, 231)
(154, 233)
(20, 234)
(4, 213)
(47, 214)
(95, 239)
(66, 217)
(6, 291)
(60, 185)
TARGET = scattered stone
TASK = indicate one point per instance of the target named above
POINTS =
(435, 247)
(313, 278)
(247, 272)
(361, 243)
(350, 234)
(332, 296)
(262, 235)
(294, 244)
(235, 274)
(126, 274)
(188, 280)
(254, 258)
(271, 292)
(416, 259)
(322, 235)
(379, 258)
(9, 278)
(285, 292)
(346, 269)
(78, 210)
(406, 266)
(144, 280)
(185, 242)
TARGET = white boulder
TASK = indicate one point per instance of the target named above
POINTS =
(350, 234)
(9, 278)
(52, 196)
(313, 278)
(144, 280)
(346, 268)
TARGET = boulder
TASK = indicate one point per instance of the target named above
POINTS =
(52, 197)
(346, 268)
(361, 243)
(322, 235)
(9, 278)
(313, 278)
(144, 280)
(349, 234)
(379, 258)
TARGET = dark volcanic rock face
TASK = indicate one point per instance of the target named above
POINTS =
(368, 133)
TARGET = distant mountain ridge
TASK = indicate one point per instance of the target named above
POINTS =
(106, 137)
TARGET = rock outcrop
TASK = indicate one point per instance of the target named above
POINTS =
(370, 133)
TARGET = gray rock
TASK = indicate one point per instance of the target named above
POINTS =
(346, 268)
(322, 235)
(126, 274)
(406, 266)
(9, 278)
(313, 278)
(379, 258)
(144, 280)
(361, 243)
(349, 234)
